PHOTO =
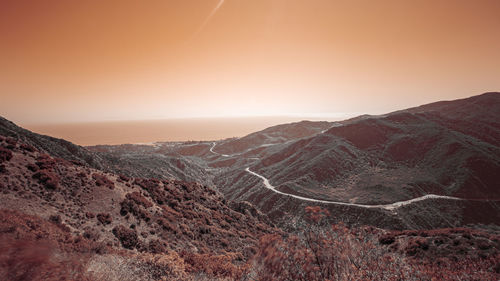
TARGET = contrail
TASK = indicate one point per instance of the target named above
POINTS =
(214, 11)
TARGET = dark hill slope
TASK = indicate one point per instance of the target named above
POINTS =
(53, 146)
(272, 135)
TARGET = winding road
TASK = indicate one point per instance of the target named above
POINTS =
(390, 207)
(212, 150)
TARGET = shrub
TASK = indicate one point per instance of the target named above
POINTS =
(157, 247)
(36, 260)
(127, 236)
(318, 253)
(386, 239)
(104, 218)
(124, 178)
(27, 147)
(166, 225)
(5, 155)
(47, 178)
(213, 265)
(91, 234)
(32, 167)
(134, 205)
(102, 180)
(45, 162)
(55, 219)
(139, 199)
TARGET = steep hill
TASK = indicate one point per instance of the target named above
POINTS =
(53, 146)
(445, 148)
(100, 214)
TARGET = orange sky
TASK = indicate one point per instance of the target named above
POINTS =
(94, 60)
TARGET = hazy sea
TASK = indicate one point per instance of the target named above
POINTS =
(148, 131)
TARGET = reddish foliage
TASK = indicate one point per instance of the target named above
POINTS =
(102, 180)
(5, 155)
(11, 141)
(47, 178)
(316, 213)
(104, 218)
(139, 199)
(386, 239)
(127, 237)
(135, 203)
(416, 245)
(317, 253)
(166, 225)
(34, 249)
(157, 247)
(124, 178)
(152, 186)
(452, 243)
(45, 162)
(32, 167)
(91, 234)
(81, 175)
(217, 266)
(55, 219)
(27, 147)
(35, 260)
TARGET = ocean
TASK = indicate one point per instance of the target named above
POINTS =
(148, 131)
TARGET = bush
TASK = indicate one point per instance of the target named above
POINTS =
(5, 155)
(157, 247)
(104, 218)
(318, 253)
(45, 162)
(32, 167)
(102, 180)
(134, 204)
(139, 199)
(386, 239)
(124, 178)
(27, 147)
(36, 260)
(47, 178)
(127, 237)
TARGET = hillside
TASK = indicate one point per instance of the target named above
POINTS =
(66, 220)
(445, 148)
(97, 214)
(54, 146)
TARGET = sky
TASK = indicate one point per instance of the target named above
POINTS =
(99, 60)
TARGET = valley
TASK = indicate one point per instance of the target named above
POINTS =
(419, 185)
